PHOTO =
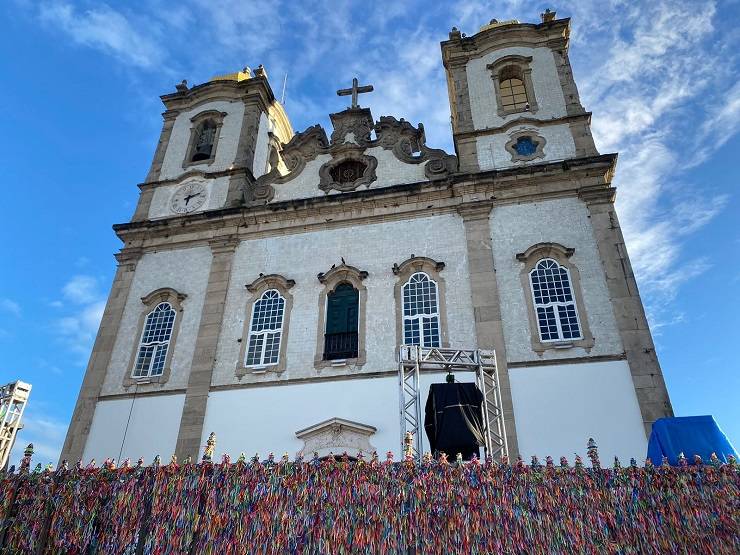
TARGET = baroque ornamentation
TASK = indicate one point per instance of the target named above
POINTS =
(347, 171)
(408, 144)
(351, 137)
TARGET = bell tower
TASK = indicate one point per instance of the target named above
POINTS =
(512, 95)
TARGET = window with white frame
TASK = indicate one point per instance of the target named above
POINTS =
(421, 311)
(554, 302)
(266, 329)
(155, 341)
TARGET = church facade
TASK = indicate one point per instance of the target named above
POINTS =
(268, 278)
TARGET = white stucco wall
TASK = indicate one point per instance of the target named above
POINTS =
(559, 407)
(547, 89)
(184, 270)
(492, 153)
(261, 148)
(216, 189)
(227, 141)
(152, 429)
(373, 248)
(390, 171)
(263, 420)
(515, 228)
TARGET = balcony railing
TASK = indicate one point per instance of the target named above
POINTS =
(340, 345)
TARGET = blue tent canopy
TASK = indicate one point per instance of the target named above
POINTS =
(690, 435)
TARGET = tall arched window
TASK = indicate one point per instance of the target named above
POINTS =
(342, 319)
(512, 89)
(421, 311)
(204, 141)
(155, 341)
(265, 330)
(554, 301)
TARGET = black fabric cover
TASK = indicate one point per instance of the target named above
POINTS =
(453, 419)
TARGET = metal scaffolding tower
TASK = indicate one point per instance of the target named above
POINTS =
(414, 360)
(13, 399)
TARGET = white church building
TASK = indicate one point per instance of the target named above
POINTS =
(268, 279)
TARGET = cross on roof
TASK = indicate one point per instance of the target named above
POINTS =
(354, 91)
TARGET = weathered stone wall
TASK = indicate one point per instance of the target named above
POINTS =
(492, 153)
(226, 149)
(216, 189)
(184, 270)
(373, 248)
(515, 228)
(547, 89)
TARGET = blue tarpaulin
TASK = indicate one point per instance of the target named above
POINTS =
(690, 435)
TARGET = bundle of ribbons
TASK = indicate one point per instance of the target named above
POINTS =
(373, 506)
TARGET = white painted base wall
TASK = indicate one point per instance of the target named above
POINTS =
(265, 419)
(558, 408)
(152, 429)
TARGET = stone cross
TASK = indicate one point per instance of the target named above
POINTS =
(354, 91)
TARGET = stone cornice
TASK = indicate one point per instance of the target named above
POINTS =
(257, 87)
(526, 121)
(459, 50)
(236, 170)
(584, 177)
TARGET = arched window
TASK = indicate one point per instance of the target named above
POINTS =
(554, 301)
(265, 330)
(155, 341)
(512, 89)
(204, 141)
(342, 319)
(421, 311)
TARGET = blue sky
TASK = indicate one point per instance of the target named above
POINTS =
(80, 92)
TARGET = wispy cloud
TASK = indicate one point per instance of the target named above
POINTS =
(85, 303)
(45, 432)
(10, 306)
(104, 28)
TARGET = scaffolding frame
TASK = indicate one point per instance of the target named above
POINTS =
(13, 399)
(414, 360)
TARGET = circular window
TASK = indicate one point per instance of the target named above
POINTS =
(348, 171)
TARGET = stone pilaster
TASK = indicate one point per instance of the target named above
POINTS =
(97, 367)
(144, 204)
(486, 302)
(647, 376)
(204, 357)
(245, 150)
(164, 140)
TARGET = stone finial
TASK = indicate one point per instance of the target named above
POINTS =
(408, 445)
(260, 71)
(26, 460)
(593, 452)
(210, 448)
(455, 34)
(547, 16)
(182, 86)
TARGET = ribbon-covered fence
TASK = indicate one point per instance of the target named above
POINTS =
(372, 506)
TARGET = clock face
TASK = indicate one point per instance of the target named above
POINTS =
(189, 198)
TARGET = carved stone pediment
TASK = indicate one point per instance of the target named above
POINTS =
(336, 436)
(350, 166)
(352, 127)
(303, 147)
(408, 144)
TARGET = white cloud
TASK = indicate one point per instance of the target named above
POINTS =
(10, 306)
(105, 29)
(81, 289)
(45, 432)
(78, 328)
